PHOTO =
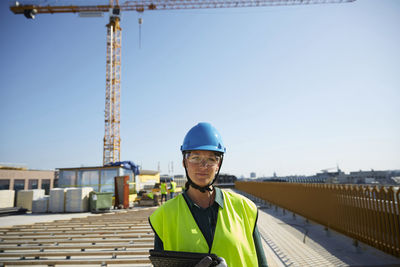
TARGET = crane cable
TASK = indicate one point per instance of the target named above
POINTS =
(140, 20)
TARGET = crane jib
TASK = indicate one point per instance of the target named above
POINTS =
(164, 5)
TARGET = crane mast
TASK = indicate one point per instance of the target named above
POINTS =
(112, 139)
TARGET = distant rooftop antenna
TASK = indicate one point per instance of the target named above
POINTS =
(338, 168)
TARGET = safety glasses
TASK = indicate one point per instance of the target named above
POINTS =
(208, 161)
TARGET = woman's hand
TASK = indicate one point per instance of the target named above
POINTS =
(222, 262)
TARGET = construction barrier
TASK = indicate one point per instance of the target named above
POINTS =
(369, 214)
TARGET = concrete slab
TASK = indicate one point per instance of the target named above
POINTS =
(31, 218)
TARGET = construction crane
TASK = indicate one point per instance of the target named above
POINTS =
(112, 139)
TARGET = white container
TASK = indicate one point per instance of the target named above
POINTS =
(40, 205)
(77, 199)
(26, 197)
(7, 198)
(57, 200)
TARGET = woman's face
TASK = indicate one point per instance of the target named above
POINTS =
(202, 166)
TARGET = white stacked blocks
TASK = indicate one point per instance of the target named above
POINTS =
(57, 200)
(7, 198)
(25, 198)
(77, 199)
(41, 205)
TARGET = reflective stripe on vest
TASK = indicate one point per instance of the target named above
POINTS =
(233, 238)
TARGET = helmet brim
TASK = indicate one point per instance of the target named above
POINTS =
(204, 148)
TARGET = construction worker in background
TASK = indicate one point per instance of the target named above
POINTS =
(163, 189)
(205, 218)
(172, 188)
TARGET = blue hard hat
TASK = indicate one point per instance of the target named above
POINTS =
(203, 136)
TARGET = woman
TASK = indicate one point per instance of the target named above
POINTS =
(204, 218)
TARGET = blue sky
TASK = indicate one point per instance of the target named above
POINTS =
(292, 89)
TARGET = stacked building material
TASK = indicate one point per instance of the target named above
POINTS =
(57, 200)
(77, 199)
(40, 205)
(26, 197)
(7, 198)
(12, 211)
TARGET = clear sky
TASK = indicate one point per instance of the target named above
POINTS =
(292, 89)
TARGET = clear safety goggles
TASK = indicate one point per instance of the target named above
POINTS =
(208, 161)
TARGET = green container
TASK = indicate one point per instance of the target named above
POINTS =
(100, 202)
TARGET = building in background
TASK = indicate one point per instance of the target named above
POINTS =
(14, 178)
(225, 179)
(146, 180)
(375, 177)
(372, 177)
(101, 178)
(21, 178)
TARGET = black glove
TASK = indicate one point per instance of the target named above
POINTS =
(207, 261)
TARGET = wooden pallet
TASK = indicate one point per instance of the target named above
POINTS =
(119, 238)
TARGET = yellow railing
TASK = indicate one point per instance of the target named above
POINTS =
(368, 214)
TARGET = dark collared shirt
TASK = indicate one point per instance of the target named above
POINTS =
(206, 219)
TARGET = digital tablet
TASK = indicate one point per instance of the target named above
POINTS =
(167, 258)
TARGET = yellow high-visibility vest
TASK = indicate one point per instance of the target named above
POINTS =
(233, 238)
(163, 188)
(173, 187)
